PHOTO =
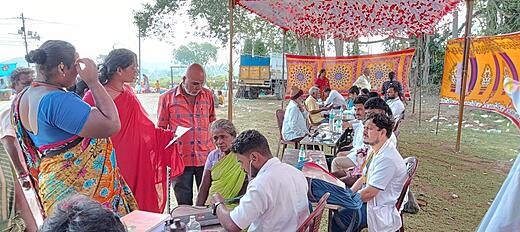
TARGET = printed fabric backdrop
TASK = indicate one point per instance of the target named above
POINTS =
(492, 60)
(343, 71)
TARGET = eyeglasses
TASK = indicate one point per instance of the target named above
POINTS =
(372, 128)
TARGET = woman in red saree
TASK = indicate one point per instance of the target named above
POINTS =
(322, 82)
(142, 156)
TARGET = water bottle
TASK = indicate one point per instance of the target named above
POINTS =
(193, 225)
(301, 155)
(167, 225)
(339, 127)
(178, 226)
(331, 120)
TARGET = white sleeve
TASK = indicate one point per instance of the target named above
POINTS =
(353, 157)
(293, 123)
(400, 108)
(329, 99)
(356, 83)
(382, 173)
(252, 205)
(393, 138)
(6, 128)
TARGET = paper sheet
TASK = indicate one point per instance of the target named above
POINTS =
(178, 133)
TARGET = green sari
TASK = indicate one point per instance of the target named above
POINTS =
(227, 178)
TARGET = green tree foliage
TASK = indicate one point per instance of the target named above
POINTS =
(257, 48)
(200, 53)
(100, 58)
(155, 21)
(490, 17)
(497, 16)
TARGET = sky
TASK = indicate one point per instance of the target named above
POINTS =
(94, 27)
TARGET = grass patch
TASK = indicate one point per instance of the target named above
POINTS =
(475, 174)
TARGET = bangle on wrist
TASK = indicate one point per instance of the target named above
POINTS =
(23, 175)
(215, 206)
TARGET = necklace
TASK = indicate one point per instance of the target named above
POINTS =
(39, 83)
(114, 89)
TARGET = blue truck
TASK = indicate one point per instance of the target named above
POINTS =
(260, 73)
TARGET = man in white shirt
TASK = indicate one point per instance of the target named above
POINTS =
(384, 174)
(342, 161)
(294, 126)
(354, 158)
(363, 81)
(334, 98)
(276, 196)
(393, 101)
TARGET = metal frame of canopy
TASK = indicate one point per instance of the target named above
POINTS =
(320, 18)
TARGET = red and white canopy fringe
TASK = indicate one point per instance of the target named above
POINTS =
(351, 19)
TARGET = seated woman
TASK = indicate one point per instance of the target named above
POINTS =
(142, 145)
(64, 139)
(222, 172)
(81, 214)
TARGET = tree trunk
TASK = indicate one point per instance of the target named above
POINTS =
(338, 47)
(317, 47)
(355, 47)
(322, 45)
(455, 26)
(426, 61)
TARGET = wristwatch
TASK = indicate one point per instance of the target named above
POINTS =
(215, 206)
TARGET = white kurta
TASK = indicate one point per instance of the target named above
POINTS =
(386, 172)
(275, 200)
(504, 213)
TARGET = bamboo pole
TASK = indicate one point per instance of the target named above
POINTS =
(416, 71)
(230, 77)
(465, 59)
(438, 116)
(283, 83)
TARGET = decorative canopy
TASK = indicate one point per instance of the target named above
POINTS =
(351, 19)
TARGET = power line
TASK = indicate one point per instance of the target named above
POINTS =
(39, 21)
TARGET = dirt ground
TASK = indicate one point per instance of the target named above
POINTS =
(458, 187)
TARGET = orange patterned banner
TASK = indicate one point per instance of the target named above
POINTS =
(492, 59)
(343, 71)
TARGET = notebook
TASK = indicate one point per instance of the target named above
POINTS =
(142, 221)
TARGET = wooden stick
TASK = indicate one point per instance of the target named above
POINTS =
(230, 77)
(465, 59)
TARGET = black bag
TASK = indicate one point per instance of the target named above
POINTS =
(345, 141)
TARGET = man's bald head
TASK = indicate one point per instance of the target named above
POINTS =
(194, 79)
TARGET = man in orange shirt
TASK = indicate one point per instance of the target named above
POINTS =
(189, 105)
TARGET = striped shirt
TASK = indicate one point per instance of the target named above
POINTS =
(174, 110)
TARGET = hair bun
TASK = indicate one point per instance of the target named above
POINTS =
(37, 56)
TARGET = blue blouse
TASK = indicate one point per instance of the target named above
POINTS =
(61, 115)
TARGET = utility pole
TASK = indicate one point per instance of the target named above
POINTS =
(25, 37)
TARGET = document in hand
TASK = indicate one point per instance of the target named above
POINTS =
(178, 133)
